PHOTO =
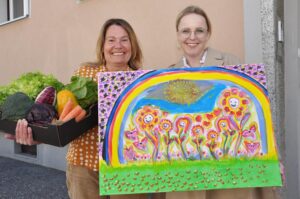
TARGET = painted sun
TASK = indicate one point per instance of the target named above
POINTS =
(182, 92)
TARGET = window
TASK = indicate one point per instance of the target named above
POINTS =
(12, 10)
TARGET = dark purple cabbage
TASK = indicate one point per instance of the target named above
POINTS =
(42, 114)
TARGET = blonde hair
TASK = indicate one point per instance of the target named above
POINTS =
(193, 10)
(135, 61)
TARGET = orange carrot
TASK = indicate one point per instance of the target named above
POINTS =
(67, 108)
(73, 113)
(80, 116)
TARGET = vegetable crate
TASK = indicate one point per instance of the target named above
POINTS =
(57, 135)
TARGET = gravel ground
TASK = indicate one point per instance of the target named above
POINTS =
(21, 180)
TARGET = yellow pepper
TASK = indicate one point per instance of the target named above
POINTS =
(63, 97)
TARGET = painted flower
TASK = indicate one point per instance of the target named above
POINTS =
(183, 124)
(251, 132)
(212, 135)
(147, 117)
(197, 130)
(252, 147)
(223, 124)
(234, 102)
(165, 125)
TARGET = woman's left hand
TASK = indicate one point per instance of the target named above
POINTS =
(24, 133)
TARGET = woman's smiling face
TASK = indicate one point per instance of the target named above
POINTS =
(117, 46)
(192, 35)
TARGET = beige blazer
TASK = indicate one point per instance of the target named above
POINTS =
(214, 58)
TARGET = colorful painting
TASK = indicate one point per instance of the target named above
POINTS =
(186, 129)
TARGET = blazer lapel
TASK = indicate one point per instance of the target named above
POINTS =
(178, 64)
(214, 58)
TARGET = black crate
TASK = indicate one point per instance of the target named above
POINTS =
(57, 135)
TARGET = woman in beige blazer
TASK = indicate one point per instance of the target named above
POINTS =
(193, 32)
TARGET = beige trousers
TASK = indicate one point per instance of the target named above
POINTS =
(244, 193)
(140, 196)
(82, 183)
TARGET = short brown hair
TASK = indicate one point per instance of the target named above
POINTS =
(193, 10)
(135, 61)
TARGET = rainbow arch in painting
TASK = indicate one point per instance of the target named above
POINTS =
(131, 95)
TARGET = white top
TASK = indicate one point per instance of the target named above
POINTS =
(202, 61)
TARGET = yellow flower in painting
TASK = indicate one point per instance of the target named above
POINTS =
(212, 135)
(147, 117)
(165, 125)
(234, 102)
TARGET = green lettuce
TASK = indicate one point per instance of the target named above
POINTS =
(31, 84)
(85, 90)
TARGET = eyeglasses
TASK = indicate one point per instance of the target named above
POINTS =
(198, 32)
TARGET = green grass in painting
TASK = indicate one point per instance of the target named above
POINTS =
(188, 175)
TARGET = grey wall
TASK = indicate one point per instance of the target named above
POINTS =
(262, 46)
(3, 11)
(49, 156)
(252, 28)
(292, 95)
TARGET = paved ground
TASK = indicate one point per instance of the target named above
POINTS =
(20, 180)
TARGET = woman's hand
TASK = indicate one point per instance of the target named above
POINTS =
(24, 133)
(9, 136)
(282, 172)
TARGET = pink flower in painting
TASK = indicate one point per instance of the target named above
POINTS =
(141, 145)
(252, 147)
(132, 135)
(129, 154)
(251, 133)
